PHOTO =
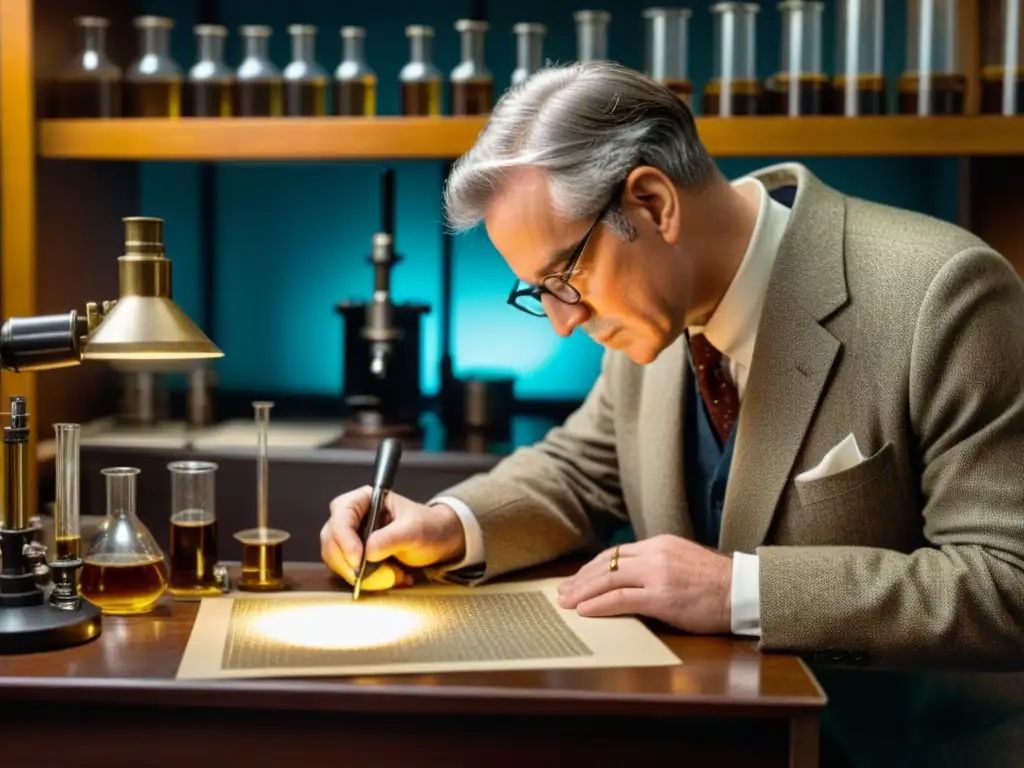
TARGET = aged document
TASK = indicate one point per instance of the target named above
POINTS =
(425, 629)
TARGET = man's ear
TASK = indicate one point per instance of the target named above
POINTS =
(654, 198)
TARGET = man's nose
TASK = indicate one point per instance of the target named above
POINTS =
(565, 317)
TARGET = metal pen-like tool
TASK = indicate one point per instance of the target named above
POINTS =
(385, 467)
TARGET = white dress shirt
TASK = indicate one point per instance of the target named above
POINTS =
(731, 329)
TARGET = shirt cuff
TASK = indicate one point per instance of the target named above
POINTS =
(471, 527)
(746, 595)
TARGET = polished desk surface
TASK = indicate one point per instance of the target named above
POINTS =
(135, 659)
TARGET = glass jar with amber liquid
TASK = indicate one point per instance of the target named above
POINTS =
(471, 83)
(305, 81)
(90, 84)
(258, 83)
(1002, 73)
(153, 81)
(933, 82)
(124, 571)
(800, 87)
(420, 78)
(355, 83)
(859, 86)
(591, 35)
(666, 49)
(529, 50)
(210, 81)
(734, 88)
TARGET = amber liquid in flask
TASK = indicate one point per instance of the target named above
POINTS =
(945, 96)
(421, 98)
(356, 97)
(258, 99)
(262, 565)
(193, 553)
(744, 98)
(307, 99)
(812, 93)
(471, 97)
(153, 98)
(89, 98)
(69, 547)
(992, 101)
(870, 95)
(123, 584)
(208, 99)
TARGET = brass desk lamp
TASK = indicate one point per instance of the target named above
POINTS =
(143, 324)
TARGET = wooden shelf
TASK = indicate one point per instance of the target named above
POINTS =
(336, 138)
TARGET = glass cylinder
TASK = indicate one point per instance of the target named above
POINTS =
(355, 84)
(472, 84)
(193, 529)
(66, 513)
(210, 81)
(529, 50)
(1002, 56)
(305, 81)
(734, 88)
(420, 78)
(90, 84)
(259, 86)
(153, 80)
(125, 571)
(932, 83)
(666, 49)
(800, 86)
(859, 83)
(592, 35)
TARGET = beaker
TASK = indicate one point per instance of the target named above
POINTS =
(355, 83)
(420, 77)
(193, 530)
(666, 49)
(66, 512)
(859, 83)
(124, 571)
(258, 90)
(591, 35)
(932, 83)
(1002, 57)
(800, 87)
(305, 81)
(472, 84)
(210, 81)
(734, 88)
(529, 50)
(90, 84)
(153, 80)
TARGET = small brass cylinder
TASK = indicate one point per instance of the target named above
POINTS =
(143, 270)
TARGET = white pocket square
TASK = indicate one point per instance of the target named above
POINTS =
(844, 456)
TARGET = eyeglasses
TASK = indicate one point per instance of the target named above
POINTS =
(528, 298)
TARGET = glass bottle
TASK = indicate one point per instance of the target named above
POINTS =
(259, 85)
(800, 86)
(472, 84)
(666, 49)
(355, 84)
(592, 35)
(1002, 73)
(305, 81)
(420, 78)
(153, 80)
(210, 81)
(90, 85)
(933, 82)
(125, 571)
(734, 88)
(529, 50)
(859, 85)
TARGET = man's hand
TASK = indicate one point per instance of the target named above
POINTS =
(413, 534)
(667, 578)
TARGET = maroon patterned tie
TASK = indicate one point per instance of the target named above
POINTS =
(720, 396)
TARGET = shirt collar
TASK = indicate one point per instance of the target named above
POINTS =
(732, 327)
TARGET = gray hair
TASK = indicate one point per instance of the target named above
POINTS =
(588, 125)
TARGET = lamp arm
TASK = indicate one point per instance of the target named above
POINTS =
(46, 342)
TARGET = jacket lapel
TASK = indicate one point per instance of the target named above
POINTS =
(793, 357)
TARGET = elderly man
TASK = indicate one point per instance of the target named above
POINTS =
(810, 410)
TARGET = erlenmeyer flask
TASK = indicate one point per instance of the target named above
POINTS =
(125, 571)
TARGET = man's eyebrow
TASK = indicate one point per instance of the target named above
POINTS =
(553, 262)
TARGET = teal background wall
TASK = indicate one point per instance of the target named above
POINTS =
(293, 237)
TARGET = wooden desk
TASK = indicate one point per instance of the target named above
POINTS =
(115, 701)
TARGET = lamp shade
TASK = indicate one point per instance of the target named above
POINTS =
(148, 328)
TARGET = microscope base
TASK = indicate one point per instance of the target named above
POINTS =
(34, 628)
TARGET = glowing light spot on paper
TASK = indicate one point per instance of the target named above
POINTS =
(339, 627)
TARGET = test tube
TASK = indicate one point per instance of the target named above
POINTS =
(666, 49)
(859, 84)
(592, 35)
(67, 520)
(529, 50)
(472, 83)
(734, 88)
(193, 530)
(800, 86)
(932, 83)
(1002, 73)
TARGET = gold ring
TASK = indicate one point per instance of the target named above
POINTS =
(614, 564)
